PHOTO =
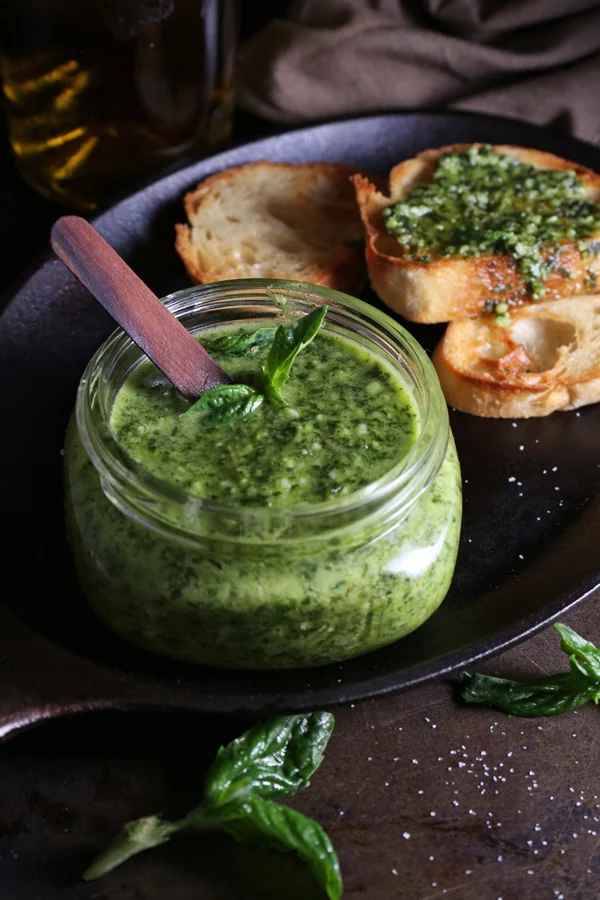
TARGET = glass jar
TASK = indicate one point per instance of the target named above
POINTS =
(259, 587)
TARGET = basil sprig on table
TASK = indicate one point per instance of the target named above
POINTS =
(273, 759)
(545, 696)
(228, 403)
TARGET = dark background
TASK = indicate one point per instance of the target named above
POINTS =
(422, 799)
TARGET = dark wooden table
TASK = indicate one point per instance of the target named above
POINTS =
(423, 798)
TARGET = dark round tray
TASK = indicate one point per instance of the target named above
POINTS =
(532, 515)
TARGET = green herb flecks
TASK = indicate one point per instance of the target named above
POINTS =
(480, 201)
(547, 696)
(241, 344)
(502, 319)
(289, 340)
(226, 403)
(274, 759)
(500, 310)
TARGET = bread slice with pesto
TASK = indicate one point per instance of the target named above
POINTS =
(447, 257)
(275, 220)
(545, 357)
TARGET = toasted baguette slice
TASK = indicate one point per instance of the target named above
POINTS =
(274, 220)
(548, 358)
(450, 287)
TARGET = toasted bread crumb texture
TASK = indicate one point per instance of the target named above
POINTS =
(446, 288)
(274, 220)
(547, 359)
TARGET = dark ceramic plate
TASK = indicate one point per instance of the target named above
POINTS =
(531, 530)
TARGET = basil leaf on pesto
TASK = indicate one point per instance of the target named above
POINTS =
(289, 340)
(272, 826)
(480, 201)
(225, 403)
(241, 344)
(274, 758)
(546, 696)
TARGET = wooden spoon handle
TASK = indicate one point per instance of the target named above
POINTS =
(135, 307)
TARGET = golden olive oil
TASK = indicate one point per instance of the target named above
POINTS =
(101, 93)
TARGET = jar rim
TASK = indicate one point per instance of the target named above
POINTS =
(119, 472)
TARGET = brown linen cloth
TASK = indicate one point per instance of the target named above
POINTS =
(536, 60)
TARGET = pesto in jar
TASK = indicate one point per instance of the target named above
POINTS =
(480, 201)
(238, 589)
(347, 421)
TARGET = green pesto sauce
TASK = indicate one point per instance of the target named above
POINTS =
(347, 421)
(266, 602)
(480, 201)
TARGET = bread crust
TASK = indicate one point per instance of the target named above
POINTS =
(548, 359)
(448, 288)
(311, 198)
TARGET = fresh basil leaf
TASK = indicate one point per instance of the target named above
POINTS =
(546, 697)
(241, 344)
(273, 759)
(289, 340)
(273, 826)
(583, 655)
(134, 838)
(225, 403)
